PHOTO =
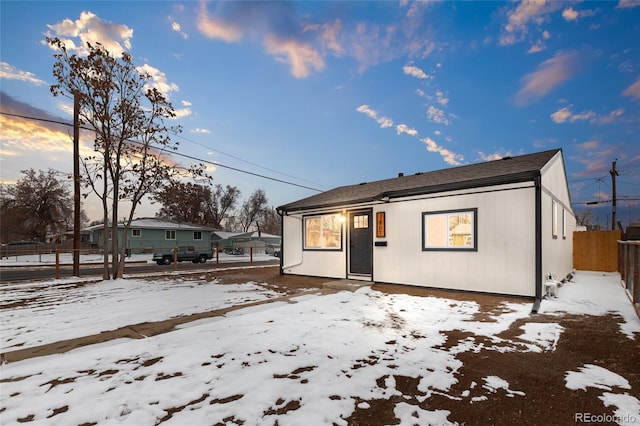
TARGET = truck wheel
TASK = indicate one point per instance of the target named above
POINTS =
(202, 259)
(166, 260)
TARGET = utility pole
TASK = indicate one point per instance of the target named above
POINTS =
(76, 185)
(613, 173)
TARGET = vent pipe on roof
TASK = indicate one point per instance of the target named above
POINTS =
(400, 174)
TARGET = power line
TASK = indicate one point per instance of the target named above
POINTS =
(178, 154)
(586, 179)
(241, 159)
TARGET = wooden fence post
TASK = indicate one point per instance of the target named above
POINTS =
(175, 259)
(636, 274)
(57, 264)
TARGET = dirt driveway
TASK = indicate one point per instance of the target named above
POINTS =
(541, 376)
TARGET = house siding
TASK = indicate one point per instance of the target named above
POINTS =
(557, 253)
(330, 264)
(503, 263)
(152, 236)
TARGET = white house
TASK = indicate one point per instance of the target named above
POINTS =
(497, 227)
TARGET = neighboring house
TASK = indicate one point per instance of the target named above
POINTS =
(148, 235)
(498, 227)
(243, 240)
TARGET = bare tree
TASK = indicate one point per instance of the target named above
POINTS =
(252, 210)
(270, 221)
(223, 203)
(584, 218)
(131, 141)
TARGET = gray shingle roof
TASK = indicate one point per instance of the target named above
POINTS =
(506, 170)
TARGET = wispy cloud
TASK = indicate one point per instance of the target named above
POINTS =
(382, 121)
(177, 28)
(89, 28)
(628, 4)
(273, 26)
(201, 131)
(329, 35)
(595, 156)
(415, 72)
(300, 57)
(448, 156)
(37, 141)
(500, 154)
(9, 72)
(540, 44)
(437, 115)
(633, 90)
(526, 13)
(441, 98)
(305, 44)
(549, 75)
(403, 128)
(570, 14)
(217, 28)
(565, 115)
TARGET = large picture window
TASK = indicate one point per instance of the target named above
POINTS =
(450, 230)
(323, 232)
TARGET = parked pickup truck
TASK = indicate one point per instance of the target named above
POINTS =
(184, 254)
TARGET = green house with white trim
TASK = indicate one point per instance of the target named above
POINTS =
(148, 235)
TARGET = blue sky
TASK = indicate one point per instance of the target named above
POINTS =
(323, 94)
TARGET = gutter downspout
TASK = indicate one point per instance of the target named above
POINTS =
(538, 250)
(281, 214)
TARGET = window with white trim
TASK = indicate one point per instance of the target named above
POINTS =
(197, 235)
(170, 234)
(136, 233)
(454, 230)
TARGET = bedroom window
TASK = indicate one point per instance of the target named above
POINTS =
(323, 232)
(454, 230)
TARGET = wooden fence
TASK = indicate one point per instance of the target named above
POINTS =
(629, 268)
(596, 250)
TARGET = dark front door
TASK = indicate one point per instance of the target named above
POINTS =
(360, 242)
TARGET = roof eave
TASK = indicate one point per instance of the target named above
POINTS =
(470, 184)
(423, 190)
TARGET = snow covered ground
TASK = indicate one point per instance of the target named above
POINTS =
(311, 362)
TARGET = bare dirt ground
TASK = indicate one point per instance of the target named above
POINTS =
(593, 340)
